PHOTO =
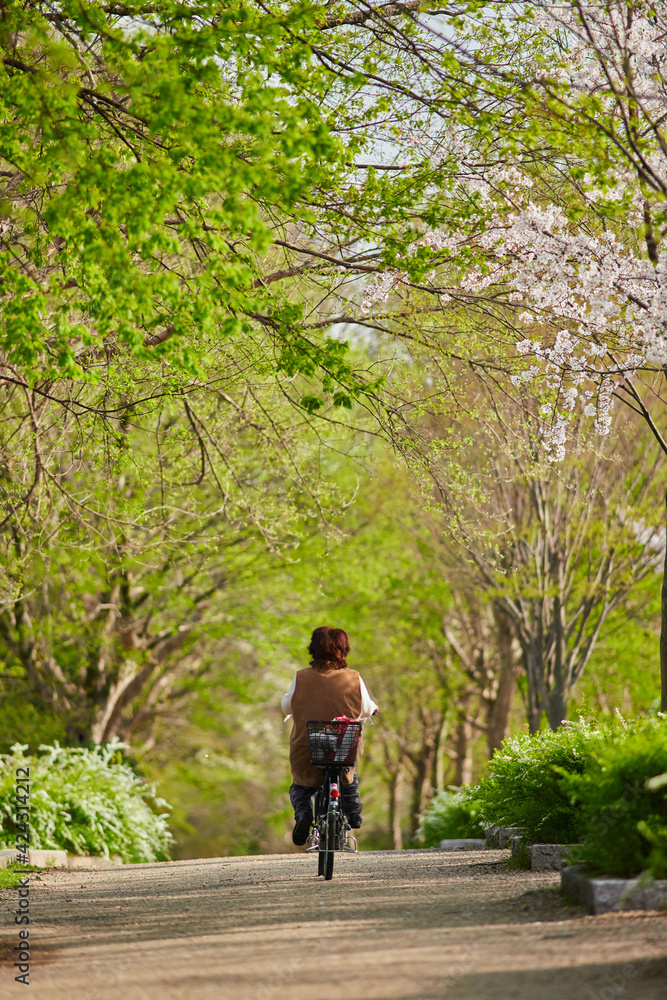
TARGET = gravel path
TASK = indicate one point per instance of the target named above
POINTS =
(412, 925)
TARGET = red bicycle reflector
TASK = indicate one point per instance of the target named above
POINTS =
(334, 791)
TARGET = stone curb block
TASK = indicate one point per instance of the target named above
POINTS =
(91, 861)
(549, 857)
(517, 845)
(469, 844)
(505, 835)
(47, 859)
(501, 836)
(602, 894)
(491, 834)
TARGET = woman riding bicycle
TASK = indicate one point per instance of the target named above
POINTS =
(323, 691)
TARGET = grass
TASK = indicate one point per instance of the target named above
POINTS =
(13, 873)
(9, 877)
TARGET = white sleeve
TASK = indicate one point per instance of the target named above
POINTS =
(286, 702)
(368, 706)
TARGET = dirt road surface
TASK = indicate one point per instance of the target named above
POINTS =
(389, 926)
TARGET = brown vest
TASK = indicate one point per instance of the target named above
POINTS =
(320, 695)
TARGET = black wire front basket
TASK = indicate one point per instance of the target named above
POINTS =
(334, 742)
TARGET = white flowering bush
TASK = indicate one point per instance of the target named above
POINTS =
(85, 802)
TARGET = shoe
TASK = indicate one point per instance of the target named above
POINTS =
(354, 819)
(302, 824)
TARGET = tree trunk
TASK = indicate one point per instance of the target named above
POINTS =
(421, 766)
(462, 753)
(394, 784)
(437, 767)
(556, 709)
(663, 634)
(500, 708)
(532, 657)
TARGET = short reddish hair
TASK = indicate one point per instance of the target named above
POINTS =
(329, 645)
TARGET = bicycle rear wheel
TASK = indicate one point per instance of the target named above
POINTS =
(328, 856)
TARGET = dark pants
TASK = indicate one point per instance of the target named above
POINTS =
(301, 797)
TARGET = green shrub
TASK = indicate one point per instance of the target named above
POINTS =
(85, 802)
(525, 787)
(452, 814)
(622, 797)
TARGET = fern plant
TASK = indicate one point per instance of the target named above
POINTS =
(451, 815)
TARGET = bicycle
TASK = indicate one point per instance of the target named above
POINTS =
(333, 749)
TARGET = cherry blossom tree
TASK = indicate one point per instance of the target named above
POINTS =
(544, 264)
(577, 247)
